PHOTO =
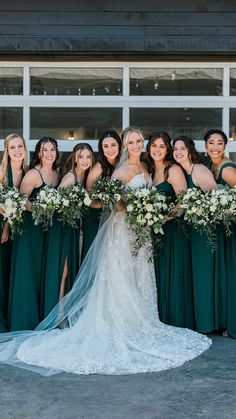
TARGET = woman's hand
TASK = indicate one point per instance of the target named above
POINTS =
(5, 233)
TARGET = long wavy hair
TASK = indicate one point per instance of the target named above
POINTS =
(193, 154)
(6, 159)
(108, 168)
(36, 159)
(168, 159)
(71, 163)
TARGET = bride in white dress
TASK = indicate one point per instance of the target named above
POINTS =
(111, 313)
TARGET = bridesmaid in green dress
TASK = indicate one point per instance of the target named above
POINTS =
(202, 259)
(63, 241)
(225, 174)
(26, 281)
(109, 149)
(12, 169)
(172, 257)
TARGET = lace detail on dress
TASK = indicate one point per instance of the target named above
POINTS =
(119, 331)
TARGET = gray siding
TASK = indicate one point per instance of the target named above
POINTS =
(133, 28)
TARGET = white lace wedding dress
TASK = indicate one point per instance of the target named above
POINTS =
(118, 330)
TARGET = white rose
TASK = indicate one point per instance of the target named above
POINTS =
(117, 197)
(87, 201)
(130, 208)
(149, 207)
(148, 216)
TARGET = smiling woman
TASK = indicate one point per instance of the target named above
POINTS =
(25, 300)
(12, 169)
(109, 149)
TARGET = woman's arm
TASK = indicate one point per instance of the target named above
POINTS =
(229, 175)
(30, 181)
(204, 178)
(177, 179)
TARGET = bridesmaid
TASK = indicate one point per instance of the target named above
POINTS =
(26, 282)
(225, 296)
(202, 259)
(172, 257)
(109, 149)
(12, 169)
(63, 241)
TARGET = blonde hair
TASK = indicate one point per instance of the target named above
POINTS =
(130, 130)
(5, 158)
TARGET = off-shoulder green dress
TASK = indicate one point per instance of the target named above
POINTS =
(227, 288)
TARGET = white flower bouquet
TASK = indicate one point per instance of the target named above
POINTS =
(74, 201)
(108, 192)
(223, 206)
(198, 212)
(47, 201)
(12, 203)
(147, 211)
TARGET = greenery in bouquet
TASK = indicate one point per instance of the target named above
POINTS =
(74, 201)
(12, 203)
(147, 211)
(47, 201)
(196, 212)
(108, 192)
(223, 206)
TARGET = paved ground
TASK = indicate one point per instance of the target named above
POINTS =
(202, 388)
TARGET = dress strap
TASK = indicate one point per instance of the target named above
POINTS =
(192, 170)
(40, 174)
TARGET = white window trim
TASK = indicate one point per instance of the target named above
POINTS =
(26, 101)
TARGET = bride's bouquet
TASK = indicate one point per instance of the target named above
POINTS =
(108, 192)
(147, 211)
(12, 203)
(47, 201)
(74, 201)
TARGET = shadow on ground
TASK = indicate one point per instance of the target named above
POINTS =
(202, 388)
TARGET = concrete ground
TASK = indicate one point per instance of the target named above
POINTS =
(202, 388)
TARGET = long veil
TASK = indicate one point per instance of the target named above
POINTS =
(66, 312)
(69, 308)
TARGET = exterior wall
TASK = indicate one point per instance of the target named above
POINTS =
(151, 28)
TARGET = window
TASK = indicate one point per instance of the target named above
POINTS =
(76, 101)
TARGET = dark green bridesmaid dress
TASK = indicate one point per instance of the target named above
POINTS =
(173, 272)
(5, 264)
(62, 243)
(90, 225)
(25, 295)
(228, 287)
(202, 261)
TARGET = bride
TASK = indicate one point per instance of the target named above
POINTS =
(110, 318)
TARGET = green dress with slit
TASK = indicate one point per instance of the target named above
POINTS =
(5, 264)
(173, 272)
(227, 287)
(62, 244)
(26, 280)
(202, 261)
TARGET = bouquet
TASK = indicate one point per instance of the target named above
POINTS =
(108, 192)
(44, 206)
(12, 203)
(223, 206)
(74, 201)
(198, 212)
(147, 211)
